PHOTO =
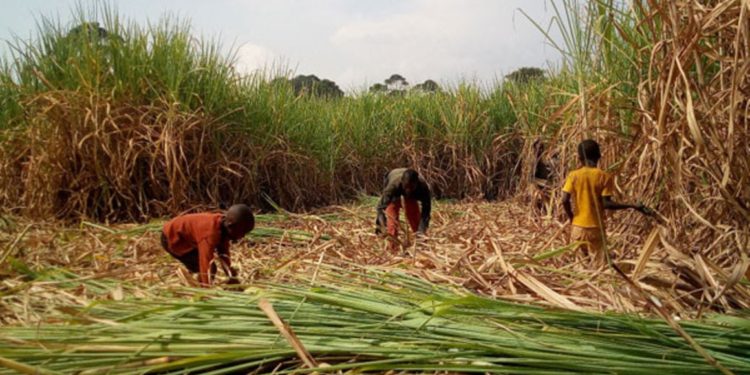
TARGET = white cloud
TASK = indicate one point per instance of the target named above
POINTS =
(253, 57)
(445, 40)
(392, 29)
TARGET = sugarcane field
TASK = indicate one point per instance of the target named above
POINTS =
(227, 187)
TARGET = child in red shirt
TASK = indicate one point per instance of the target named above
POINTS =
(193, 238)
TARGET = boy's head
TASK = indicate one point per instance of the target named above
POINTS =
(588, 150)
(410, 181)
(238, 221)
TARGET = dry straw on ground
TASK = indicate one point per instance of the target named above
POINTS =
(493, 249)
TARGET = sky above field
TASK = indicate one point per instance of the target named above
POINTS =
(353, 42)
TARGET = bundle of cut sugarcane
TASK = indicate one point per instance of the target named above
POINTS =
(365, 321)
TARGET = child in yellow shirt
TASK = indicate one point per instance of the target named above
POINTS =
(591, 190)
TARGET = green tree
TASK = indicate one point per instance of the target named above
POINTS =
(525, 75)
(89, 29)
(378, 88)
(396, 82)
(428, 86)
(312, 85)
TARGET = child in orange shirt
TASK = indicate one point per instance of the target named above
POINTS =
(591, 190)
(192, 239)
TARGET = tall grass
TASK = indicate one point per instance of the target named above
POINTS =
(149, 120)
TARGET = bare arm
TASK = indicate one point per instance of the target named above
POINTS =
(609, 204)
(567, 206)
(226, 260)
(424, 222)
(205, 255)
(380, 221)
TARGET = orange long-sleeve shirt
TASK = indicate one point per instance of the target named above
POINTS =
(198, 232)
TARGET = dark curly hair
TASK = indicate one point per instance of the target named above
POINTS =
(589, 150)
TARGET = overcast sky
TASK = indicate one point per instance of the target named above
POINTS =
(353, 42)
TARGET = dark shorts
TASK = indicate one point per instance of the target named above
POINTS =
(190, 259)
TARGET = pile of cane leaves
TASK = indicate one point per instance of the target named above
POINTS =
(366, 321)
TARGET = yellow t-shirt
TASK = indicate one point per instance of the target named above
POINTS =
(587, 186)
